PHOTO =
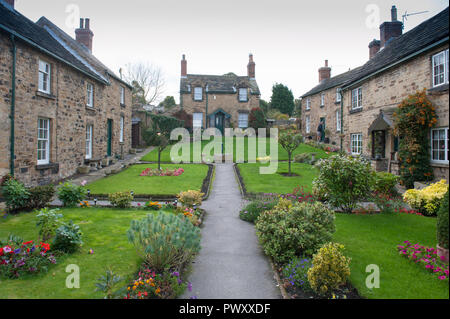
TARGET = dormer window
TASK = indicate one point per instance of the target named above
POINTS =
(198, 93)
(243, 95)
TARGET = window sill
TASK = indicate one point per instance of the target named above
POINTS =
(443, 88)
(46, 95)
(439, 164)
(90, 108)
(337, 102)
(308, 109)
(122, 105)
(41, 167)
(353, 111)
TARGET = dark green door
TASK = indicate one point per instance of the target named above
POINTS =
(220, 117)
(109, 150)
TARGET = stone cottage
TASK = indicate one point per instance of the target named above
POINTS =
(220, 101)
(60, 107)
(357, 106)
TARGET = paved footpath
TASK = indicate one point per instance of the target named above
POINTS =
(231, 263)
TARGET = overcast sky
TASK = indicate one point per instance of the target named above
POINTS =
(290, 39)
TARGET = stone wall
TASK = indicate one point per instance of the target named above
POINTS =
(65, 107)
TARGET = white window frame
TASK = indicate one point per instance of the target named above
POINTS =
(308, 103)
(122, 125)
(322, 99)
(243, 95)
(445, 68)
(243, 120)
(89, 130)
(357, 103)
(446, 159)
(308, 124)
(122, 95)
(90, 94)
(45, 76)
(338, 121)
(44, 128)
(356, 143)
(198, 93)
(338, 95)
(197, 120)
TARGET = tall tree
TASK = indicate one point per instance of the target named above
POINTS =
(138, 98)
(168, 102)
(264, 105)
(282, 99)
(148, 77)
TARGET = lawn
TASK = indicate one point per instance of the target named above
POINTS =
(282, 154)
(104, 230)
(129, 180)
(373, 239)
(277, 183)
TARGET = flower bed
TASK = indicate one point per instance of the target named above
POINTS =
(27, 258)
(167, 172)
(426, 257)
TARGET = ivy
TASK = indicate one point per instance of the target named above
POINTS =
(413, 120)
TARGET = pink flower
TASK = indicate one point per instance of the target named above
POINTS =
(442, 277)
(7, 249)
(83, 183)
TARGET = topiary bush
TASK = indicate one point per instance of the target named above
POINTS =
(301, 230)
(252, 211)
(442, 223)
(330, 269)
(343, 181)
(70, 194)
(164, 240)
(121, 199)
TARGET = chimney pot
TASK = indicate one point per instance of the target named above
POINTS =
(84, 35)
(324, 72)
(184, 67)
(251, 67)
(394, 14)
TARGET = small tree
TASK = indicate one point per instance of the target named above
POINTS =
(256, 119)
(290, 141)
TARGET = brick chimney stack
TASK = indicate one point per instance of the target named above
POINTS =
(184, 67)
(10, 2)
(84, 35)
(324, 72)
(390, 29)
(251, 67)
(374, 47)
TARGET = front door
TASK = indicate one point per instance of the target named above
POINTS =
(220, 119)
(109, 141)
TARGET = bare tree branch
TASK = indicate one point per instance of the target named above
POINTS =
(149, 77)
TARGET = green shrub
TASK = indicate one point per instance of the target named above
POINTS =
(40, 196)
(442, 223)
(48, 221)
(252, 211)
(385, 183)
(68, 238)
(16, 195)
(70, 194)
(299, 231)
(190, 198)
(164, 240)
(121, 199)
(343, 181)
(305, 158)
(330, 269)
(296, 272)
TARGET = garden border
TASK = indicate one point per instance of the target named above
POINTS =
(205, 188)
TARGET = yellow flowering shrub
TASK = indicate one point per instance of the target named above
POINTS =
(427, 200)
(190, 198)
(283, 204)
(330, 269)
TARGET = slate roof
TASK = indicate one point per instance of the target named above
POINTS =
(46, 37)
(425, 34)
(228, 83)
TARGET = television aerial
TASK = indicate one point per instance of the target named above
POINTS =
(406, 15)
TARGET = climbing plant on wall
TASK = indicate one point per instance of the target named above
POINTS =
(413, 120)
